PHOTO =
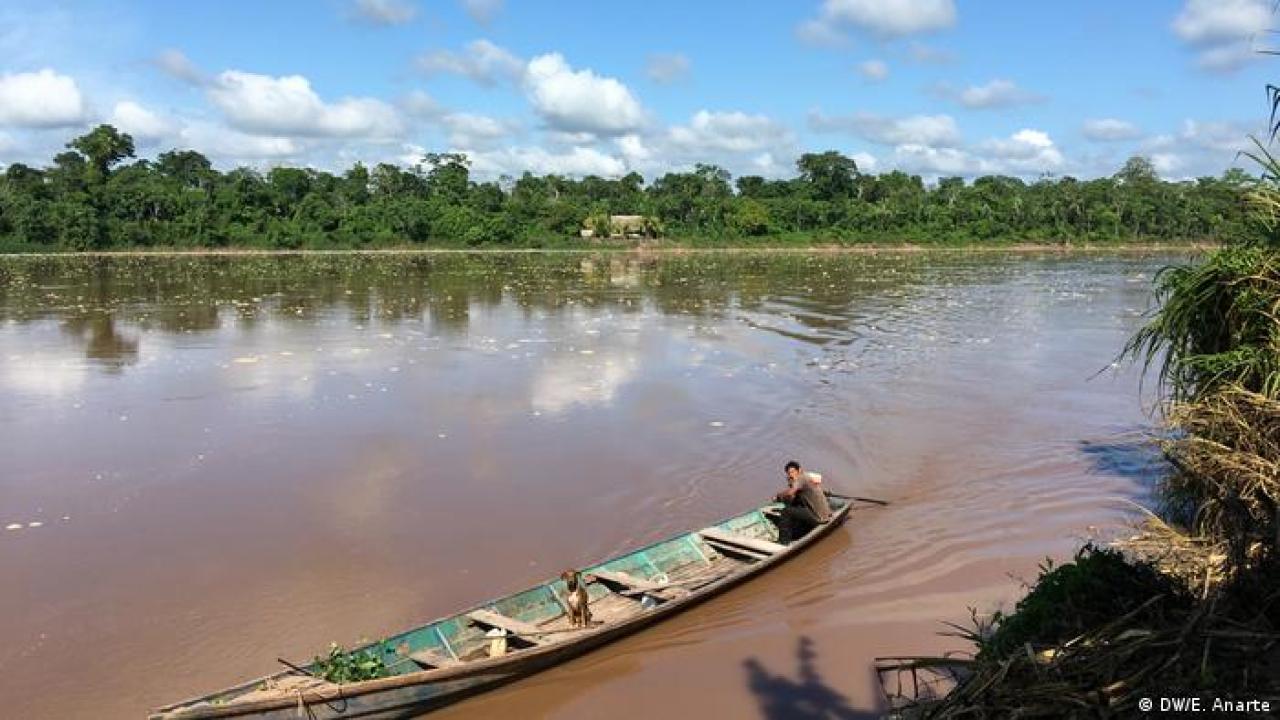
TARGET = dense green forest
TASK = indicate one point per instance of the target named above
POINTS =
(93, 197)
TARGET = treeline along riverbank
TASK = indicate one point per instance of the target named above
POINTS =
(97, 196)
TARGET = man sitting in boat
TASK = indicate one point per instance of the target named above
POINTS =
(805, 505)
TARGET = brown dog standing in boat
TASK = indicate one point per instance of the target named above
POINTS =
(577, 599)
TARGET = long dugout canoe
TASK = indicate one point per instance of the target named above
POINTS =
(453, 657)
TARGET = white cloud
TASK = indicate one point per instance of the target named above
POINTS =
(1222, 31)
(820, 33)
(997, 93)
(481, 61)
(928, 160)
(409, 154)
(176, 65)
(565, 138)
(578, 161)
(580, 100)
(767, 165)
(1168, 165)
(235, 147)
(1224, 58)
(885, 18)
(284, 106)
(875, 70)
(730, 132)
(1026, 151)
(1208, 21)
(666, 68)
(929, 130)
(634, 150)
(144, 125)
(1197, 149)
(421, 106)
(1218, 136)
(41, 99)
(482, 11)
(1110, 130)
(866, 161)
(469, 130)
(384, 12)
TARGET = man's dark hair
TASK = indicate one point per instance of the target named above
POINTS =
(792, 464)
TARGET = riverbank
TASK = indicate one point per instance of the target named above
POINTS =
(655, 248)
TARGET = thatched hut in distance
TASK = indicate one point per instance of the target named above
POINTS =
(619, 227)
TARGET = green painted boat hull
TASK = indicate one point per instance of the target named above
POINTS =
(461, 643)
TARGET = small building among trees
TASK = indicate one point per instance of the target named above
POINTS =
(619, 227)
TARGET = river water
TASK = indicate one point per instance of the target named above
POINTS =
(209, 462)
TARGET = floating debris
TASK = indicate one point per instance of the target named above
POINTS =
(246, 360)
(35, 524)
(13, 526)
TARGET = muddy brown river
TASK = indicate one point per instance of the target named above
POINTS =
(209, 462)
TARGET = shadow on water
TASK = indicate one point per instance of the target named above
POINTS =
(807, 696)
(1134, 455)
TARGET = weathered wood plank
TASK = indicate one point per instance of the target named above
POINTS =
(761, 546)
(431, 658)
(625, 580)
(735, 552)
(510, 624)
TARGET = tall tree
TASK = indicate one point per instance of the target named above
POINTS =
(103, 147)
(830, 174)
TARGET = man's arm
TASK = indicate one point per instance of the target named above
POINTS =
(788, 494)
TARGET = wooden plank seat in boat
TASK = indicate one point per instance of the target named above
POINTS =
(530, 633)
(624, 580)
(432, 659)
(722, 537)
(637, 587)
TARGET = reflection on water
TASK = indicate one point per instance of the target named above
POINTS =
(209, 462)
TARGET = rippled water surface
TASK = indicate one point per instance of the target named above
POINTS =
(206, 463)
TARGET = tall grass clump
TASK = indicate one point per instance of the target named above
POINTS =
(1218, 325)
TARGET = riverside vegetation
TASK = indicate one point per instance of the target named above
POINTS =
(96, 196)
(1190, 605)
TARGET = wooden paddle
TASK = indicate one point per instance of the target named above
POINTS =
(295, 668)
(869, 500)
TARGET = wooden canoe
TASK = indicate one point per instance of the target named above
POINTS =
(448, 659)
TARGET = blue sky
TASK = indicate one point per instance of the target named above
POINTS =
(934, 87)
